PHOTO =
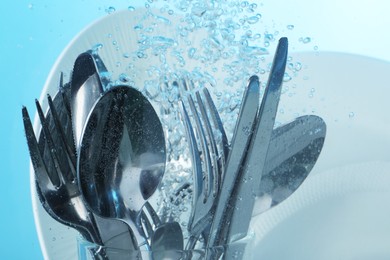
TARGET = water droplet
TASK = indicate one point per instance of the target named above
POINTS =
(252, 19)
(290, 27)
(124, 78)
(96, 48)
(351, 114)
(30, 6)
(141, 55)
(110, 10)
(131, 8)
(138, 27)
(305, 40)
(286, 77)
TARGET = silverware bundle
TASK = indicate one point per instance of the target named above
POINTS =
(101, 155)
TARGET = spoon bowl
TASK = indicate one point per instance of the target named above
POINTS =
(122, 156)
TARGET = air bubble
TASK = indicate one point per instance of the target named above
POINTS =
(305, 40)
(110, 10)
(96, 48)
(290, 27)
(191, 52)
(286, 77)
(252, 19)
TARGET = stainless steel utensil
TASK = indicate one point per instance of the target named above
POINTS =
(167, 236)
(122, 157)
(241, 138)
(206, 186)
(240, 206)
(55, 177)
(89, 79)
(293, 151)
(203, 210)
(86, 86)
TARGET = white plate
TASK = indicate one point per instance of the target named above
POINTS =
(348, 91)
(342, 210)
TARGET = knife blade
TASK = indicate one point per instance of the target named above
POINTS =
(243, 198)
(241, 138)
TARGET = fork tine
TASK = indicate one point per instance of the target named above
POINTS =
(195, 158)
(146, 225)
(56, 173)
(204, 149)
(71, 158)
(215, 167)
(153, 214)
(218, 124)
(40, 169)
(149, 226)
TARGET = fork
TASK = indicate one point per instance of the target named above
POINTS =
(55, 178)
(208, 151)
(202, 195)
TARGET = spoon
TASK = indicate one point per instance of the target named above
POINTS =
(293, 152)
(165, 236)
(167, 241)
(86, 86)
(122, 157)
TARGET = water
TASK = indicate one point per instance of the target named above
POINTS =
(230, 32)
(222, 38)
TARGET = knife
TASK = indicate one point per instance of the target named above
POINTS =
(237, 219)
(241, 139)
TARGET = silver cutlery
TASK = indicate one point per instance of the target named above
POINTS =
(241, 138)
(204, 207)
(235, 223)
(55, 176)
(206, 186)
(202, 201)
(87, 85)
(101, 156)
(293, 151)
(163, 236)
(122, 157)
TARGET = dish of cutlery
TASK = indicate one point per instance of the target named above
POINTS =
(153, 168)
(153, 139)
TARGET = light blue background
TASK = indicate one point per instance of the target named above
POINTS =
(33, 34)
